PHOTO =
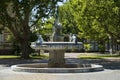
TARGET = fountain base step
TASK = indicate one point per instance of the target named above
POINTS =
(43, 68)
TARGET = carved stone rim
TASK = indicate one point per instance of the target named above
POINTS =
(34, 68)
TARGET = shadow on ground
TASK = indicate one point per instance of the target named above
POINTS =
(9, 62)
(113, 64)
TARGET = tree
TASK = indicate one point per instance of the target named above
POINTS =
(44, 27)
(93, 19)
(104, 16)
(68, 17)
(20, 15)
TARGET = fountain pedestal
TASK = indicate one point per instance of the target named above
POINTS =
(56, 58)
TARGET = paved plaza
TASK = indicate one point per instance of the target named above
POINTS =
(111, 72)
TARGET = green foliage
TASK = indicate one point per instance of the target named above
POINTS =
(101, 47)
(87, 47)
(103, 16)
(20, 15)
(92, 19)
(45, 28)
(69, 17)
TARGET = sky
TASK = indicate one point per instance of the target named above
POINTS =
(61, 3)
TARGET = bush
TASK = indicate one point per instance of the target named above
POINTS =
(87, 47)
(101, 47)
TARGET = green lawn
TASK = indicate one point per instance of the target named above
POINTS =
(9, 57)
(104, 56)
(98, 56)
(18, 57)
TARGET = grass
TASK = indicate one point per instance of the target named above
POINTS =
(104, 56)
(9, 57)
(18, 57)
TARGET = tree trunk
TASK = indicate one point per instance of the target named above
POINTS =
(25, 49)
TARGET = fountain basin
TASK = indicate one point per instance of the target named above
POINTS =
(57, 45)
(70, 68)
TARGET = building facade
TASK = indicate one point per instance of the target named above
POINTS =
(5, 44)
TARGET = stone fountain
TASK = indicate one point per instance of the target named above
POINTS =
(56, 48)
